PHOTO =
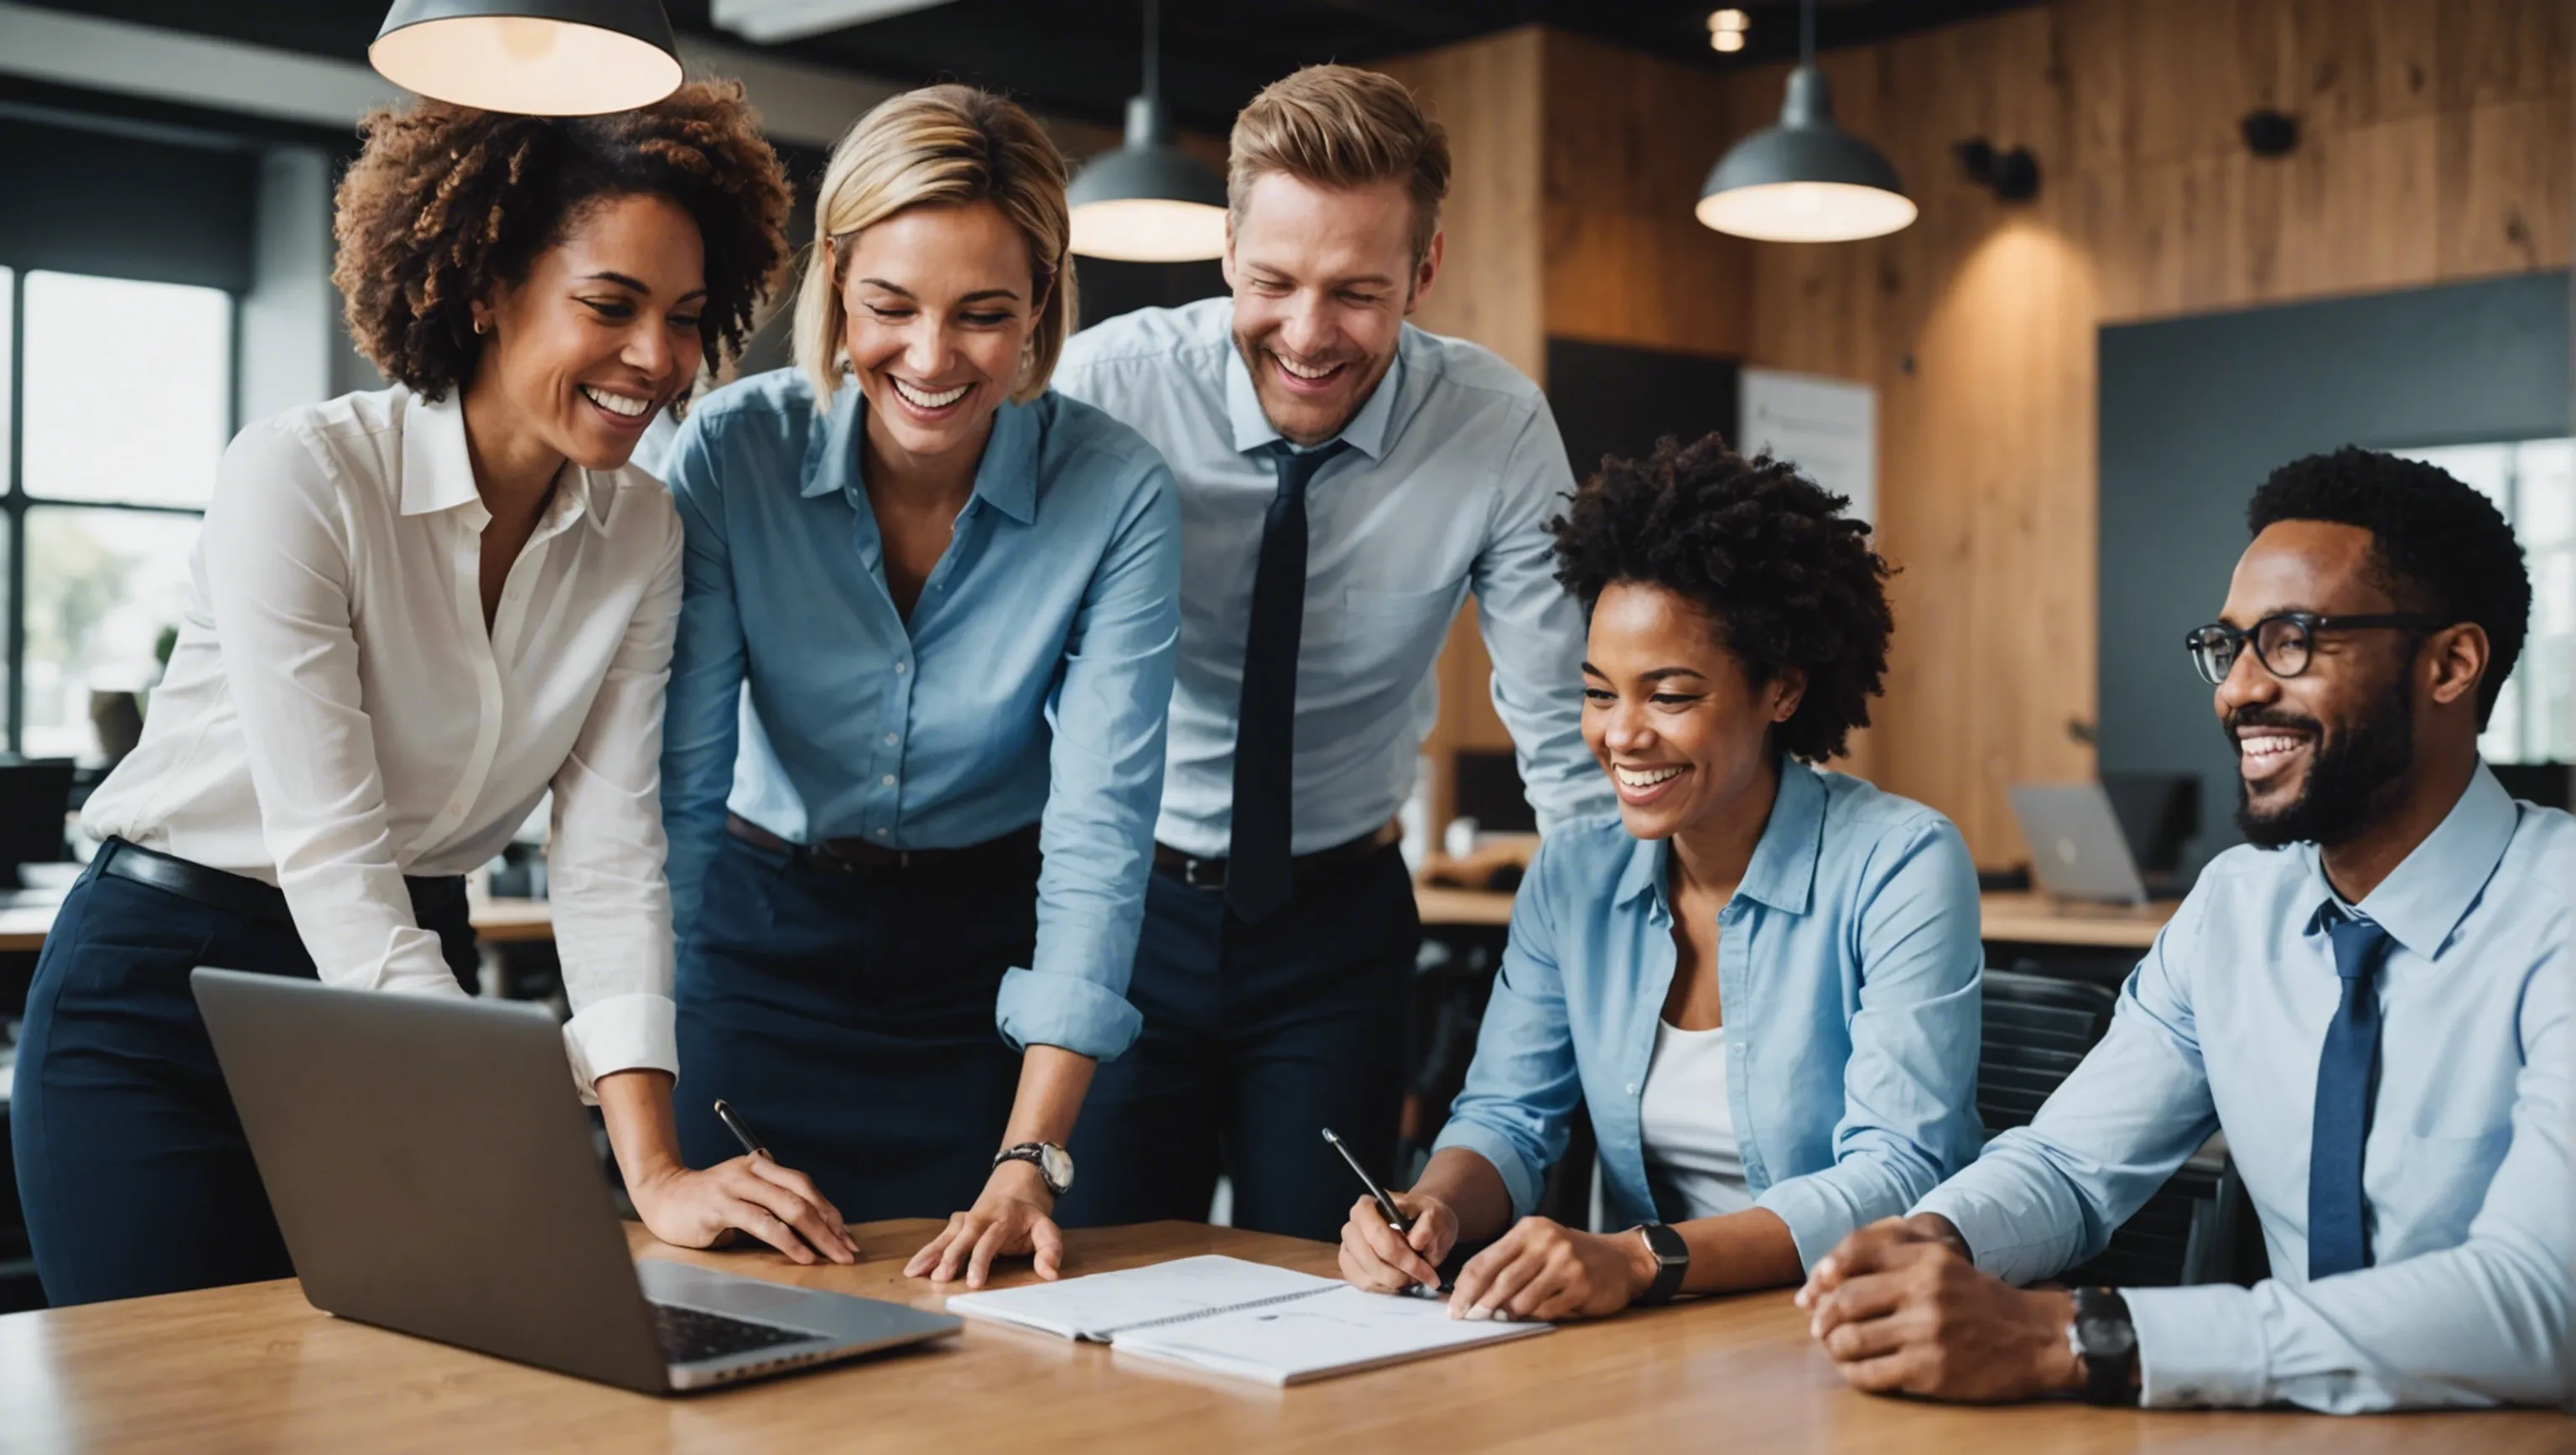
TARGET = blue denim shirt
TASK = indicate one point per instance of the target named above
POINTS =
(1029, 686)
(1847, 963)
(2465, 1173)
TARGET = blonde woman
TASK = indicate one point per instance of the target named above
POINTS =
(915, 733)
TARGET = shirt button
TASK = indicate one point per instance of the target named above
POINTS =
(888, 780)
(881, 833)
(899, 668)
(891, 740)
(1632, 1088)
(457, 809)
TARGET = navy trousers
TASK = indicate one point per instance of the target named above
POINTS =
(849, 1019)
(1256, 1037)
(131, 1161)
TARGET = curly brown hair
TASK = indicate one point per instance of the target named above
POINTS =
(446, 201)
(1788, 580)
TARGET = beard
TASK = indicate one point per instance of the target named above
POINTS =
(2352, 778)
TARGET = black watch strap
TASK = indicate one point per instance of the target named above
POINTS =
(1672, 1262)
(2109, 1343)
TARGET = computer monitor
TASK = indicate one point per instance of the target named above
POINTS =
(35, 795)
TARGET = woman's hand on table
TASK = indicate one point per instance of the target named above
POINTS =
(778, 1205)
(1380, 1259)
(1015, 1215)
(1543, 1269)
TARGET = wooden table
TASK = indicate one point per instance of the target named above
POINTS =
(23, 927)
(256, 1369)
(2032, 919)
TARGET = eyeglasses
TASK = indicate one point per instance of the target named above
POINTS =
(2282, 643)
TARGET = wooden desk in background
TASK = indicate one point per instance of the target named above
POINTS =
(255, 1368)
(23, 927)
(2031, 919)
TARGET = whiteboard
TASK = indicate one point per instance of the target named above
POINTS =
(1827, 427)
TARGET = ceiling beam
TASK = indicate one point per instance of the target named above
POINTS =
(767, 22)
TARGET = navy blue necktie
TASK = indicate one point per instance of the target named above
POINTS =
(1265, 733)
(2338, 1237)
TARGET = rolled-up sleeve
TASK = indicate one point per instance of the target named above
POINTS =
(612, 905)
(701, 719)
(275, 555)
(1909, 1087)
(1107, 716)
(1533, 630)
(1517, 1107)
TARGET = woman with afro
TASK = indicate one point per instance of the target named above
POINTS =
(416, 612)
(1760, 977)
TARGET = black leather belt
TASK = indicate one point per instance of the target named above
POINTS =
(858, 856)
(1210, 873)
(235, 893)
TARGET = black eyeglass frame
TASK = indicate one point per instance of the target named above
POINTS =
(2309, 624)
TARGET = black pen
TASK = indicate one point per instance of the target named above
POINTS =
(741, 1133)
(1385, 1205)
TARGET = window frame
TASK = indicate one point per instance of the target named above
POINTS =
(15, 501)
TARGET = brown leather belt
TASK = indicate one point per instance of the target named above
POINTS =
(858, 856)
(1210, 873)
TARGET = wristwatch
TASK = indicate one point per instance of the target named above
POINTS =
(1672, 1262)
(2103, 1337)
(1054, 1164)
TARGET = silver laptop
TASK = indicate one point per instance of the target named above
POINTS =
(434, 1174)
(2076, 848)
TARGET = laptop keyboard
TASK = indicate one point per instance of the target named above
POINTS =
(690, 1335)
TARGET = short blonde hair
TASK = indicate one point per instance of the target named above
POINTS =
(1340, 126)
(940, 146)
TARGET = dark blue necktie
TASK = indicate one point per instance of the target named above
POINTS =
(2338, 1238)
(1265, 733)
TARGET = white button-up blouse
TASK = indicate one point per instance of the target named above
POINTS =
(335, 715)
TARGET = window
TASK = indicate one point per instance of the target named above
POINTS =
(123, 400)
(2534, 483)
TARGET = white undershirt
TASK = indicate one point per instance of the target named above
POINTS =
(1687, 1125)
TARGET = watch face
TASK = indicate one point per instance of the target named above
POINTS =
(2108, 1338)
(1057, 1164)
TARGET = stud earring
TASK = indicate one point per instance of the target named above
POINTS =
(482, 326)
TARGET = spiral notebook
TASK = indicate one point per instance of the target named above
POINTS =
(1248, 1320)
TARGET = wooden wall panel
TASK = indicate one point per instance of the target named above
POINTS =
(2436, 147)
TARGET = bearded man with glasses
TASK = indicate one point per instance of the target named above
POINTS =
(2371, 1000)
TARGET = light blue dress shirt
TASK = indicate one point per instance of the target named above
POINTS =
(1028, 687)
(1847, 962)
(1454, 468)
(2465, 1173)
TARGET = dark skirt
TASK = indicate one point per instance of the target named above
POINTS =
(849, 1019)
(131, 1162)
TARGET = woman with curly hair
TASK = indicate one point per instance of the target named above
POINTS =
(1760, 978)
(915, 739)
(417, 611)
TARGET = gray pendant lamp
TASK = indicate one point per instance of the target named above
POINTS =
(1806, 179)
(1148, 201)
(535, 57)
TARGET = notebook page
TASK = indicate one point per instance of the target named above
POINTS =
(1097, 1305)
(1331, 1333)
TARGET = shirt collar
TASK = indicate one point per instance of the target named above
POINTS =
(1783, 871)
(2427, 896)
(438, 472)
(1006, 478)
(1366, 432)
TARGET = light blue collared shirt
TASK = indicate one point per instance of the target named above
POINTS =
(2465, 1173)
(1454, 468)
(1847, 963)
(1028, 687)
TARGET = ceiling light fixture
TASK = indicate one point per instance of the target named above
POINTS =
(1148, 201)
(534, 57)
(1726, 29)
(1806, 179)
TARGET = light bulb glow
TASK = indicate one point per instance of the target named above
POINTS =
(1806, 212)
(1149, 230)
(530, 66)
(1729, 20)
(1727, 41)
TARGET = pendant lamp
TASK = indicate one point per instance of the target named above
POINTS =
(1806, 179)
(1148, 201)
(535, 57)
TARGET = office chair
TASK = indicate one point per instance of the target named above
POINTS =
(2037, 1030)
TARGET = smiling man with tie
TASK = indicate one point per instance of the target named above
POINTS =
(2372, 1002)
(1346, 480)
